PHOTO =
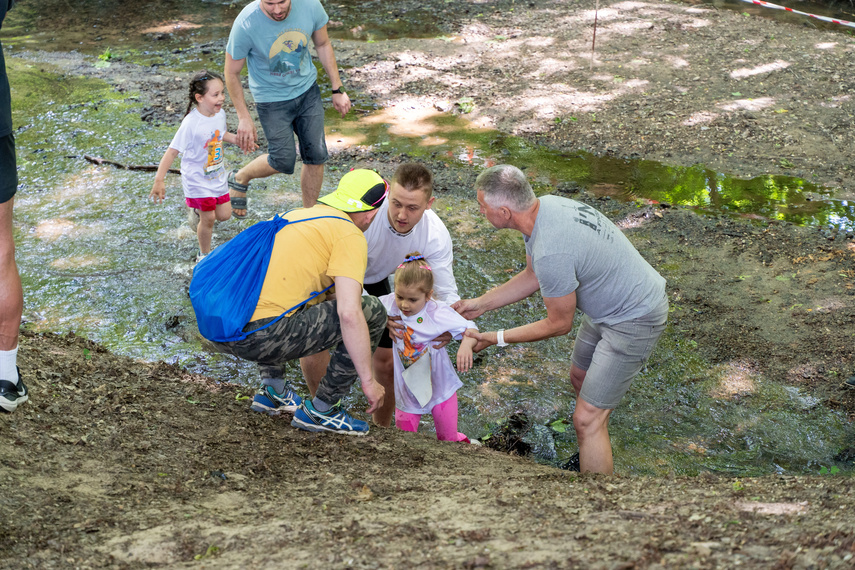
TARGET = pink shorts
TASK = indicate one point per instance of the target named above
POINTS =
(206, 204)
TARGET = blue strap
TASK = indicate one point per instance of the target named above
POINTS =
(297, 306)
(314, 293)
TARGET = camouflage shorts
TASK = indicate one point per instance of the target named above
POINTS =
(307, 332)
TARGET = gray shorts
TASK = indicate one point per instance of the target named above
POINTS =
(614, 354)
(303, 115)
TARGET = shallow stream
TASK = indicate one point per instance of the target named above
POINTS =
(99, 259)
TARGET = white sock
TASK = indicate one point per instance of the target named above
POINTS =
(8, 360)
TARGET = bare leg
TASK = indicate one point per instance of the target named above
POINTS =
(311, 179)
(592, 430)
(224, 211)
(314, 367)
(384, 373)
(204, 230)
(11, 293)
(592, 433)
(258, 168)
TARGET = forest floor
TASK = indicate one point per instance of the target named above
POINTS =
(120, 463)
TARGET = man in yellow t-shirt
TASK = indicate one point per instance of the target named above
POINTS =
(328, 248)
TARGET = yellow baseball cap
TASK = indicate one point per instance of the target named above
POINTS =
(359, 190)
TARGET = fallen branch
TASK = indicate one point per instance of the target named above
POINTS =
(144, 167)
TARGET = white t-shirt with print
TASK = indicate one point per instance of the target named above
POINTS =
(199, 141)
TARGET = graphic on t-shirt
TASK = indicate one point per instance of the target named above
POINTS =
(412, 351)
(286, 52)
(215, 152)
(592, 218)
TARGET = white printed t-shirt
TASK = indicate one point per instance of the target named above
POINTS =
(199, 141)
(435, 319)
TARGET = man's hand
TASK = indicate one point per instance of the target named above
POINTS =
(469, 308)
(247, 135)
(442, 340)
(396, 327)
(341, 103)
(483, 339)
(375, 393)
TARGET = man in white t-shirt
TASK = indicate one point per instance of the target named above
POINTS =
(404, 223)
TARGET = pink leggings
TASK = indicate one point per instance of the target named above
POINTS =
(444, 419)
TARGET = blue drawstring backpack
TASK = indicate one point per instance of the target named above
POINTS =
(226, 284)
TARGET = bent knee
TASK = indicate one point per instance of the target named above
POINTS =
(383, 358)
(587, 417)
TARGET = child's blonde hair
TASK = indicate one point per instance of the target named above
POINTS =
(414, 271)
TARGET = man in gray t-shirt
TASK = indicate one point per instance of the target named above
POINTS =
(577, 258)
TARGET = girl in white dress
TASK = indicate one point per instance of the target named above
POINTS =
(425, 379)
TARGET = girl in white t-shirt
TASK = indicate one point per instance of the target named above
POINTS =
(199, 141)
(425, 380)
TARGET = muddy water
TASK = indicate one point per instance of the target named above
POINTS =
(97, 258)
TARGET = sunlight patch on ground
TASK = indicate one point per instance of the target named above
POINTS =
(552, 103)
(84, 181)
(337, 142)
(171, 27)
(735, 379)
(828, 305)
(749, 104)
(540, 41)
(676, 62)
(772, 508)
(826, 45)
(52, 230)
(700, 118)
(550, 66)
(78, 261)
(766, 68)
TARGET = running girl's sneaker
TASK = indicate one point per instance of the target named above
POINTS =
(269, 401)
(12, 395)
(336, 420)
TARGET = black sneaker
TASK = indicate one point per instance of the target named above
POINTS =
(11, 394)
(572, 464)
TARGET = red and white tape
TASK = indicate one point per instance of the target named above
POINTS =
(823, 18)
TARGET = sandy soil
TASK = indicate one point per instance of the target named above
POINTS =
(117, 463)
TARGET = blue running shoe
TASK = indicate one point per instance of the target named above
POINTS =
(269, 401)
(12, 395)
(337, 420)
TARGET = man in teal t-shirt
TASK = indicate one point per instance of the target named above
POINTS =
(271, 37)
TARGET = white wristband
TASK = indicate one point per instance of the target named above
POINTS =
(500, 338)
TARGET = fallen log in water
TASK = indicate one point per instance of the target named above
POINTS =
(146, 167)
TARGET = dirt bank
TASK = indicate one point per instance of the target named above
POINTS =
(117, 463)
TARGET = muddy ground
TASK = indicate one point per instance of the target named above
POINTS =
(118, 463)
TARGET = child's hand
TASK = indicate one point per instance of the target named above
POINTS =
(158, 191)
(464, 358)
